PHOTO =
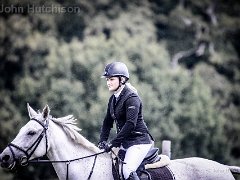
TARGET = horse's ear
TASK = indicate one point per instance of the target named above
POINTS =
(46, 111)
(31, 112)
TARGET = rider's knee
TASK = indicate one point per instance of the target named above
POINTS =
(126, 171)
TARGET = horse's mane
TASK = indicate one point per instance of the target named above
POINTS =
(68, 123)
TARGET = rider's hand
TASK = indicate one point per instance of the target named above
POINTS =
(101, 145)
(108, 147)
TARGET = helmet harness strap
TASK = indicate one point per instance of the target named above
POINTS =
(122, 81)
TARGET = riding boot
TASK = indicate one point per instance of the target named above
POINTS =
(133, 176)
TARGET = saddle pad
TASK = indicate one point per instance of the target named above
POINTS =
(164, 161)
(163, 173)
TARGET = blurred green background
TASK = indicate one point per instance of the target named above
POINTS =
(183, 57)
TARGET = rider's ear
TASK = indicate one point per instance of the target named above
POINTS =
(46, 111)
(31, 112)
(123, 80)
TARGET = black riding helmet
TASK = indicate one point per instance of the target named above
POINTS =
(116, 69)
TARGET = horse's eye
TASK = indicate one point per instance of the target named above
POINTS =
(31, 133)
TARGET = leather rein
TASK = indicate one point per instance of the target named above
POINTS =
(29, 152)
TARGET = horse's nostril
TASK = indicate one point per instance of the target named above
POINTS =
(5, 158)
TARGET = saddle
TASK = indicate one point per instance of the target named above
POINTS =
(148, 169)
(151, 157)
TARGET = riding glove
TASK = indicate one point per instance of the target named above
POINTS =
(101, 145)
(108, 147)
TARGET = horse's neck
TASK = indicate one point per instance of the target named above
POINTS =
(62, 148)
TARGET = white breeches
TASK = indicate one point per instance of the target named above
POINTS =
(133, 158)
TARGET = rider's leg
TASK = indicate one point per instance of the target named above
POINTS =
(133, 158)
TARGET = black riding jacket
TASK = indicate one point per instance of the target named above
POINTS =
(126, 111)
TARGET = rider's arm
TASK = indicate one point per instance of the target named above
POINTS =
(132, 111)
(106, 126)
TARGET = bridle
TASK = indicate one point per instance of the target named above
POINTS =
(29, 152)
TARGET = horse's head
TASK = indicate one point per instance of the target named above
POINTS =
(31, 141)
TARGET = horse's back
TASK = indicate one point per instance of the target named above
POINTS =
(199, 169)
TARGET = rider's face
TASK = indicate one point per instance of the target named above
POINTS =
(112, 83)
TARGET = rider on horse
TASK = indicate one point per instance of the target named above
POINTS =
(125, 109)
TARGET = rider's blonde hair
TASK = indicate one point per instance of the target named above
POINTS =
(132, 87)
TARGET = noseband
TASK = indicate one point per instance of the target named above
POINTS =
(29, 152)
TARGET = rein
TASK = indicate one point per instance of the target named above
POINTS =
(25, 160)
(69, 161)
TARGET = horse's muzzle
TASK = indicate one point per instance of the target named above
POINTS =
(5, 162)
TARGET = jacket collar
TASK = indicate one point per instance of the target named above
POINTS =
(117, 94)
(122, 93)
